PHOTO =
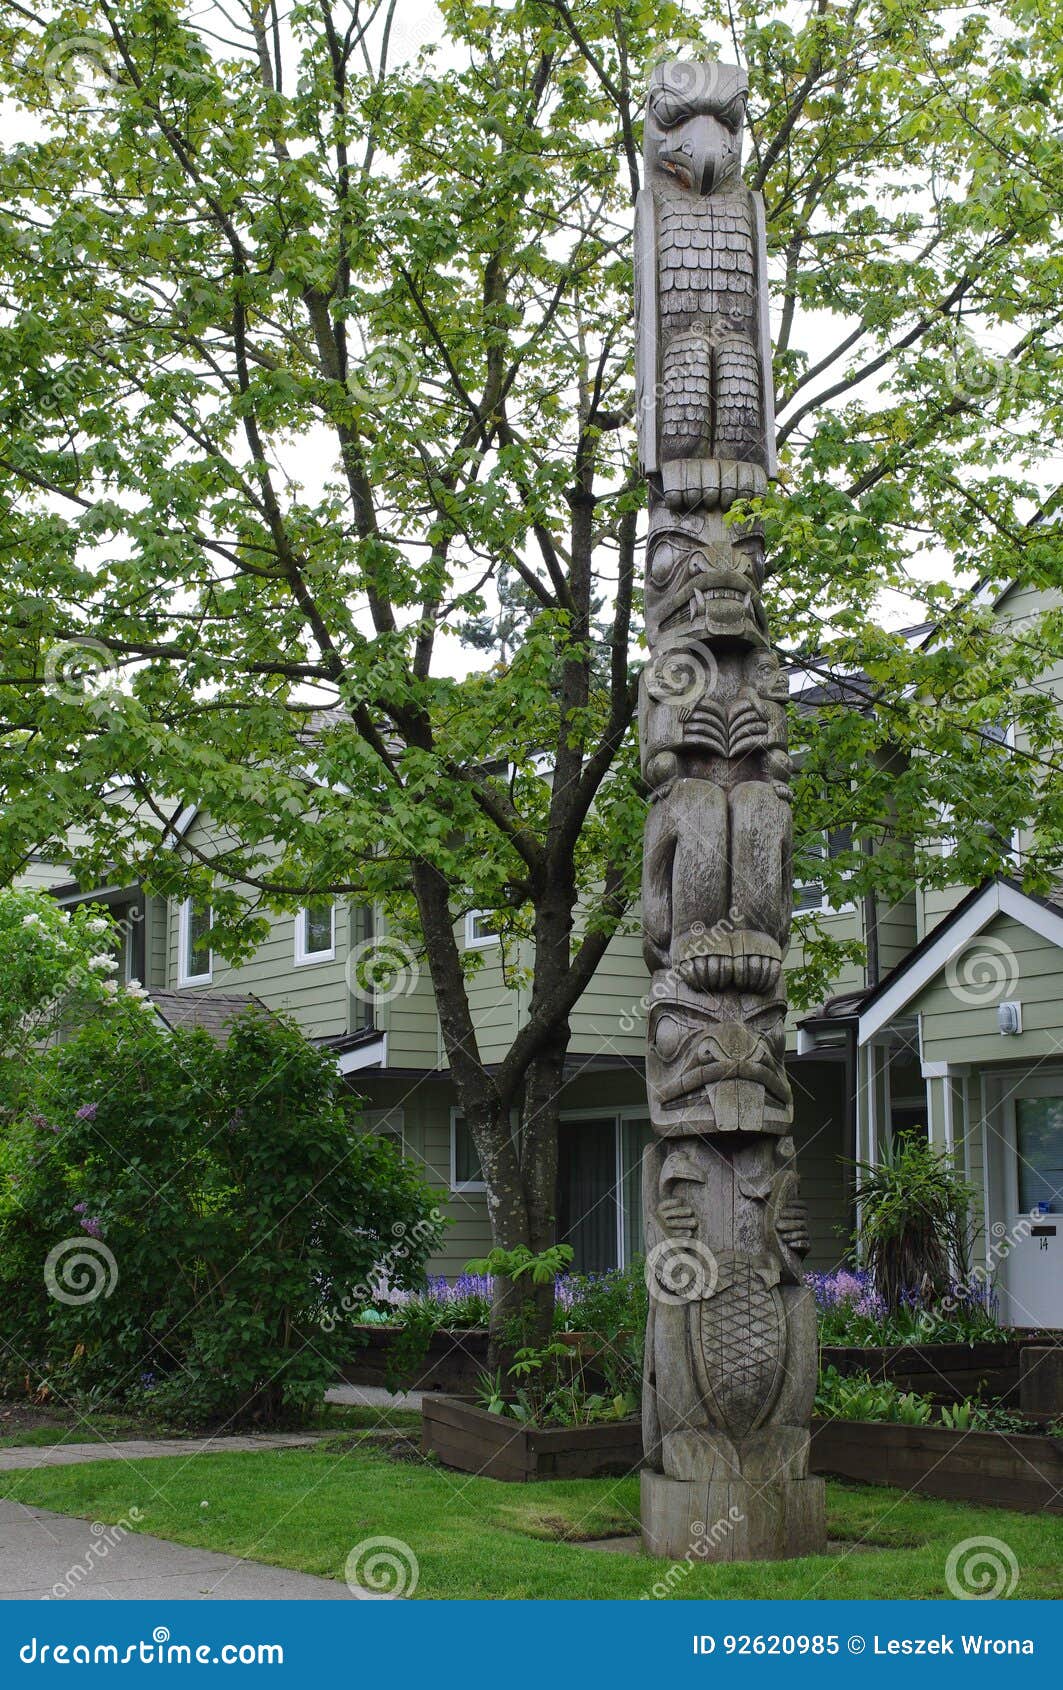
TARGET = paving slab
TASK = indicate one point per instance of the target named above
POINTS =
(374, 1396)
(53, 1557)
(30, 1457)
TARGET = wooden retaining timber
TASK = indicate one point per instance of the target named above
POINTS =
(467, 1437)
(1000, 1470)
(948, 1372)
(453, 1361)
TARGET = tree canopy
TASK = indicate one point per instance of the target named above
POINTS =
(317, 359)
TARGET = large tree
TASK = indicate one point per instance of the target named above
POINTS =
(316, 359)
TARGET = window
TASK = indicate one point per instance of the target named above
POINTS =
(466, 1173)
(481, 928)
(195, 962)
(315, 932)
(359, 969)
(812, 894)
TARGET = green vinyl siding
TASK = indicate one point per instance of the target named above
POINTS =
(959, 1021)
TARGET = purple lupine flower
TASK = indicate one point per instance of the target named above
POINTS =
(43, 1123)
(81, 1208)
(87, 1112)
(91, 1225)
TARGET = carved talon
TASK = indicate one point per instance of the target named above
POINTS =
(792, 1227)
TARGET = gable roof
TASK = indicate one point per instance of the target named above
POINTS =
(1000, 896)
(212, 1011)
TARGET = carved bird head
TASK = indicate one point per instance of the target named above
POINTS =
(694, 118)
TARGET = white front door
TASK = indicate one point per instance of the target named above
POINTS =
(1032, 1271)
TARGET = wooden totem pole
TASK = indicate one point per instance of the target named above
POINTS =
(731, 1336)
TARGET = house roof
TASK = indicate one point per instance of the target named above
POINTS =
(213, 1011)
(1000, 896)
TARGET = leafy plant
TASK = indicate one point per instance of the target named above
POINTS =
(856, 1396)
(232, 1209)
(915, 1222)
(540, 1267)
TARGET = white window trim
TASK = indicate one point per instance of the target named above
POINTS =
(304, 958)
(475, 941)
(824, 907)
(468, 1185)
(618, 1115)
(183, 976)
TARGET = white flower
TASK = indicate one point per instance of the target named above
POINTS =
(31, 921)
(109, 987)
(135, 990)
(105, 964)
(97, 925)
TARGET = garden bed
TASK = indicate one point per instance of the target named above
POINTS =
(494, 1446)
(999, 1469)
(454, 1360)
(950, 1372)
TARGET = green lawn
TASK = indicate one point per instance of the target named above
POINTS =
(308, 1509)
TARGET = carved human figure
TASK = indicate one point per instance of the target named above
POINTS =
(704, 367)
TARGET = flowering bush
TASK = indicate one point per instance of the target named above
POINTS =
(178, 1219)
(851, 1311)
(55, 967)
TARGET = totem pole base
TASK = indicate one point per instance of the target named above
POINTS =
(732, 1520)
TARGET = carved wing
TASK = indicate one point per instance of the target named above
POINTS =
(646, 330)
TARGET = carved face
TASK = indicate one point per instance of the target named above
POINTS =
(704, 588)
(704, 1075)
(694, 118)
(766, 677)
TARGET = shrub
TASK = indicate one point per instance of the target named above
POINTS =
(235, 1198)
(915, 1222)
(55, 966)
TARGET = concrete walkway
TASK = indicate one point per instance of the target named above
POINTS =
(47, 1556)
(374, 1396)
(29, 1457)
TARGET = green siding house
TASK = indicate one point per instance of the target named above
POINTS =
(957, 1030)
